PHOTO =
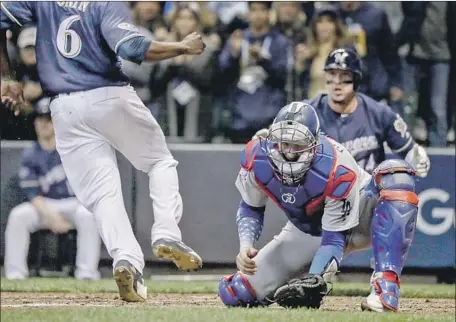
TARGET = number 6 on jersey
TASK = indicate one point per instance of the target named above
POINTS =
(68, 41)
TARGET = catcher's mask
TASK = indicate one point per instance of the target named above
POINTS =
(293, 141)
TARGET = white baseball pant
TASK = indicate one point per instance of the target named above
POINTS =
(24, 219)
(89, 127)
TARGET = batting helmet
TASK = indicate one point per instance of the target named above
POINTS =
(345, 59)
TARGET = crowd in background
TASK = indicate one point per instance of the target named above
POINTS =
(261, 55)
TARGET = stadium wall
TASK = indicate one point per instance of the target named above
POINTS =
(207, 174)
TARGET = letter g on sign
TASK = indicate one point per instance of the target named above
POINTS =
(447, 213)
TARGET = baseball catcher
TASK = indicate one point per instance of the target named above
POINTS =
(333, 207)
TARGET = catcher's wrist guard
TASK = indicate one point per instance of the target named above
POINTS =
(306, 292)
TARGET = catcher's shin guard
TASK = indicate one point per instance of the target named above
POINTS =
(235, 290)
(394, 218)
(393, 226)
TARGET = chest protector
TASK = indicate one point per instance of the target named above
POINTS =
(303, 204)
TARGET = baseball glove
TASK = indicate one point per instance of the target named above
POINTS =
(306, 292)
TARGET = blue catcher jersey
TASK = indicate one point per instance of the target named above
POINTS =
(364, 131)
(41, 174)
(77, 41)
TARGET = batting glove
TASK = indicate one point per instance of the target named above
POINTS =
(419, 160)
(261, 133)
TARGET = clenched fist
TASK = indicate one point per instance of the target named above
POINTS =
(244, 261)
(194, 44)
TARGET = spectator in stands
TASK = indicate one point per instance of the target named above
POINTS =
(24, 63)
(27, 71)
(369, 27)
(231, 16)
(148, 14)
(254, 65)
(51, 205)
(291, 21)
(207, 19)
(425, 30)
(326, 33)
(183, 85)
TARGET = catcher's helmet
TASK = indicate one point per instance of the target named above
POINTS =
(292, 141)
(345, 59)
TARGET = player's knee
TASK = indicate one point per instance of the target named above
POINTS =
(20, 214)
(398, 202)
(395, 180)
(235, 290)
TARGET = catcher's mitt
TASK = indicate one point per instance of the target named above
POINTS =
(306, 292)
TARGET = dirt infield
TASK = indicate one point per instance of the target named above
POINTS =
(17, 300)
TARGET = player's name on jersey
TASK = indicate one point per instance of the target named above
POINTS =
(361, 144)
(78, 5)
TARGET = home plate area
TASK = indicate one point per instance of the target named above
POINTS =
(21, 300)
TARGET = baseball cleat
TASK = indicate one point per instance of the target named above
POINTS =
(130, 282)
(372, 303)
(184, 257)
(384, 296)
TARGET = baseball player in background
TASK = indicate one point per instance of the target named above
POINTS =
(51, 205)
(359, 123)
(333, 207)
(95, 112)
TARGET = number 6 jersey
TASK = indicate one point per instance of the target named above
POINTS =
(77, 41)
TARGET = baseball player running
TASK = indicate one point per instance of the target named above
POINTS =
(51, 204)
(334, 207)
(95, 112)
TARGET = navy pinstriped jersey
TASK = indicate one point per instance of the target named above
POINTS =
(364, 131)
(41, 174)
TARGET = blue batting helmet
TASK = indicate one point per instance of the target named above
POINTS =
(345, 59)
(293, 140)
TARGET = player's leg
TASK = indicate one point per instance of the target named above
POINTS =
(138, 136)
(280, 260)
(23, 220)
(390, 224)
(91, 168)
(88, 240)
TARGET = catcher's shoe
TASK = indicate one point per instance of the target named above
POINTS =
(130, 282)
(384, 296)
(184, 257)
